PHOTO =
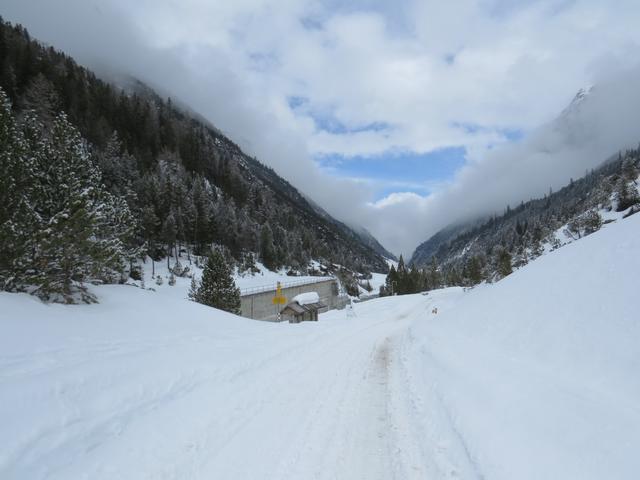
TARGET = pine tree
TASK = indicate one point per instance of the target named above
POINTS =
(41, 97)
(434, 275)
(18, 222)
(403, 279)
(203, 226)
(474, 270)
(193, 288)
(391, 281)
(267, 248)
(401, 267)
(217, 288)
(626, 196)
(85, 228)
(58, 225)
(414, 280)
(504, 263)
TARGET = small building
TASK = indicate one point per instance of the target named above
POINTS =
(303, 307)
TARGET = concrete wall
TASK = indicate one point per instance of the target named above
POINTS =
(259, 306)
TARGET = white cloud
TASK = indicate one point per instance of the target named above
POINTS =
(581, 139)
(420, 67)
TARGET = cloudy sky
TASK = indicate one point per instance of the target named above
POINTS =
(400, 116)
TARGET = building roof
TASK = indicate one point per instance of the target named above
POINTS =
(298, 309)
(306, 298)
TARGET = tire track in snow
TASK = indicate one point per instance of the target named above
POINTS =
(431, 427)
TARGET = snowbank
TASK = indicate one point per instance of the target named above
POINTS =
(534, 377)
(539, 373)
(264, 279)
(267, 279)
(306, 298)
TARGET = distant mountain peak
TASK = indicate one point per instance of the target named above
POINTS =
(579, 98)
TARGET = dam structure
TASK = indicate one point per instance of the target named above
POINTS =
(257, 302)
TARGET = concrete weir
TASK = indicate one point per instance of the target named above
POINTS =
(257, 303)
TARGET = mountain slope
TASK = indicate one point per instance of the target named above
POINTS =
(368, 239)
(537, 372)
(598, 122)
(187, 183)
(523, 233)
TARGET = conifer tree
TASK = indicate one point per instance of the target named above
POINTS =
(84, 226)
(474, 270)
(267, 248)
(391, 281)
(504, 263)
(401, 267)
(626, 196)
(434, 274)
(58, 225)
(41, 97)
(402, 279)
(193, 288)
(18, 223)
(217, 288)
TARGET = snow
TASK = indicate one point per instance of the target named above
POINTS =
(376, 281)
(539, 372)
(391, 263)
(533, 377)
(263, 280)
(306, 298)
(267, 279)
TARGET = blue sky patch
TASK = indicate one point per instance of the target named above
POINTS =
(398, 171)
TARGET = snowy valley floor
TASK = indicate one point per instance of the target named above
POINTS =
(536, 377)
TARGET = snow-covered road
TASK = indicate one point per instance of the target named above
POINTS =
(533, 377)
(233, 399)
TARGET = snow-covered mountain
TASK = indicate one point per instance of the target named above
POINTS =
(597, 129)
(188, 185)
(573, 108)
(368, 239)
(528, 230)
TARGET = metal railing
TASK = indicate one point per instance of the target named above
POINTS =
(273, 286)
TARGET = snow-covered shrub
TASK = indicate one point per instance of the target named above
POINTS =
(180, 271)
(136, 273)
(585, 224)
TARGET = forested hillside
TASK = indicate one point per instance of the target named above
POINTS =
(184, 184)
(489, 250)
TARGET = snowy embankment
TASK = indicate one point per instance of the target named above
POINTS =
(538, 375)
(248, 282)
(533, 377)
(266, 279)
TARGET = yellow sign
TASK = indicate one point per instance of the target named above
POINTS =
(279, 299)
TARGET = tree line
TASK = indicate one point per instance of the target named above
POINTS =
(59, 226)
(489, 250)
(183, 186)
